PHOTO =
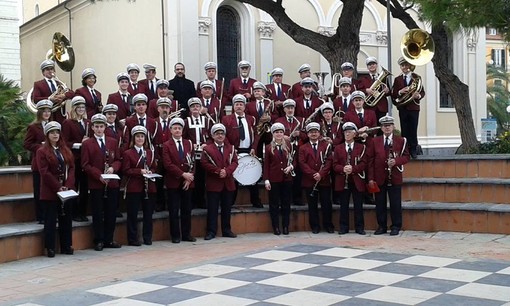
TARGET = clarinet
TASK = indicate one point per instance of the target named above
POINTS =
(390, 155)
(347, 163)
(146, 180)
(290, 159)
(315, 189)
(106, 166)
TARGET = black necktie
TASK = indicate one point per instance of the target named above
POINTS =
(307, 103)
(220, 148)
(60, 158)
(345, 104)
(360, 115)
(103, 147)
(207, 103)
(181, 151)
(197, 122)
(373, 77)
(349, 151)
(261, 109)
(279, 91)
(386, 143)
(113, 130)
(94, 97)
(290, 120)
(242, 136)
(124, 98)
(165, 126)
(315, 149)
(152, 87)
(82, 127)
(142, 121)
(245, 83)
(140, 152)
(52, 86)
(135, 86)
(280, 150)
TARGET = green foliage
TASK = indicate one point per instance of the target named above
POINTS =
(500, 146)
(14, 119)
(498, 97)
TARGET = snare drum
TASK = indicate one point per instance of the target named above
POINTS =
(248, 171)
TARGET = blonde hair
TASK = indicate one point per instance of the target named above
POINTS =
(74, 115)
(285, 145)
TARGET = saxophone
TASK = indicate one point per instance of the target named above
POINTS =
(265, 126)
(106, 166)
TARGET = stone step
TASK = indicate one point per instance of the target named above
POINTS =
(23, 240)
(17, 208)
(15, 180)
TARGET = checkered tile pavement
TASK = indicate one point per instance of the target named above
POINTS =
(311, 275)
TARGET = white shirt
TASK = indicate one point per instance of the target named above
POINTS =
(390, 139)
(347, 146)
(98, 139)
(192, 123)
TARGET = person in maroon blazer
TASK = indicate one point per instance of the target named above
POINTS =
(278, 169)
(349, 164)
(242, 134)
(34, 139)
(388, 154)
(381, 108)
(342, 102)
(242, 84)
(56, 166)
(308, 103)
(348, 72)
(139, 191)
(258, 105)
(134, 86)
(218, 87)
(219, 161)
(315, 162)
(44, 88)
(149, 83)
(296, 89)
(211, 104)
(92, 96)
(100, 155)
(162, 92)
(179, 159)
(122, 98)
(410, 113)
(140, 118)
(361, 117)
(278, 91)
(113, 127)
(75, 130)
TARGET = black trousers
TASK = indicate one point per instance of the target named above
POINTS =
(36, 185)
(179, 201)
(357, 198)
(160, 191)
(395, 194)
(133, 202)
(198, 194)
(80, 206)
(279, 203)
(409, 125)
(104, 211)
(324, 195)
(53, 210)
(225, 200)
(297, 190)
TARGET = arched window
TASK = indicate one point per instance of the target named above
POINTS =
(36, 10)
(228, 35)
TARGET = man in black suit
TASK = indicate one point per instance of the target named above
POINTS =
(183, 88)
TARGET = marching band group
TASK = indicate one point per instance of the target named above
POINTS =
(195, 138)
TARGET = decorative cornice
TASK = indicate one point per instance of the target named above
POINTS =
(203, 25)
(471, 42)
(381, 37)
(266, 29)
(326, 31)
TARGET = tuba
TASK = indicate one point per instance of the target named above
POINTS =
(378, 89)
(61, 53)
(320, 78)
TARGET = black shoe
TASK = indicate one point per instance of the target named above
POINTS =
(276, 231)
(342, 232)
(189, 238)
(119, 215)
(369, 199)
(380, 231)
(67, 251)
(147, 242)
(135, 243)
(229, 234)
(209, 236)
(50, 253)
(285, 230)
(330, 230)
(394, 232)
(112, 245)
(77, 219)
(176, 240)
(258, 205)
(361, 231)
(298, 204)
(316, 230)
(40, 222)
(99, 246)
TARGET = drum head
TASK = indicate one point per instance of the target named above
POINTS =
(248, 171)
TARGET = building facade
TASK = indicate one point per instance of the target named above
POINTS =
(9, 40)
(107, 35)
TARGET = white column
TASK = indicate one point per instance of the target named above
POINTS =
(204, 54)
(266, 30)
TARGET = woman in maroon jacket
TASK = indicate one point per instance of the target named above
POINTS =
(92, 96)
(56, 166)
(34, 139)
(137, 161)
(277, 177)
(75, 130)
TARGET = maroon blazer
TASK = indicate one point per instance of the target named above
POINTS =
(231, 124)
(273, 95)
(219, 85)
(161, 137)
(124, 108)
(150, 94)
(132, 165)
(152, 108)
(72, 133)
(51, 172)
(305, 113)
(289, 127)
(355, 85)
(381, 106)
(358, 162)
(333, 131)
(115, 133)
(204, 133)
(42, 91)
(236, 86)
(213, 161)
(93, 161)
(378, 157)
(369, 118)
(216, 108)
(296, 90)
(400, 83)
(150, 124)
(310, 163)
(140, 88)
(33, 141)
(338, 103)
(252, 110)
(176, 166)
(90, 105)
(275, 163)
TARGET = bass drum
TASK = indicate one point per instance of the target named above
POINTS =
(248, 171)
